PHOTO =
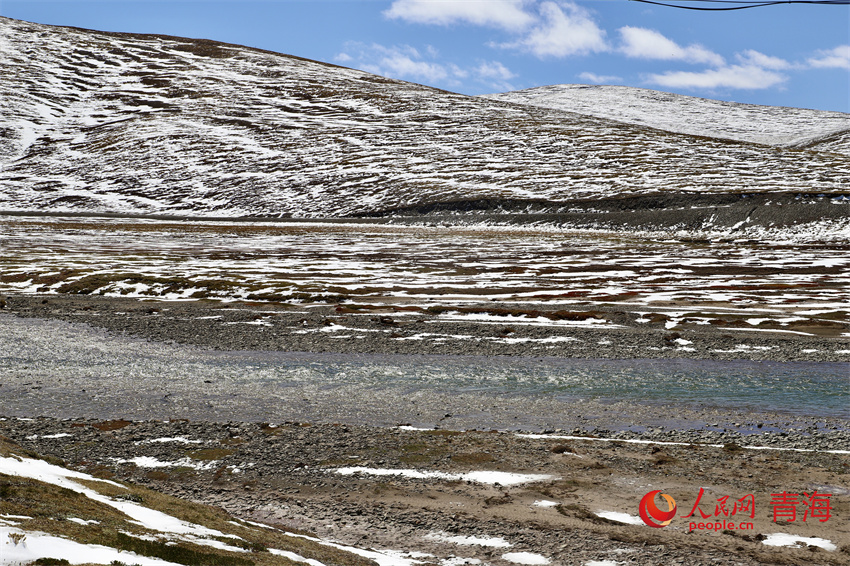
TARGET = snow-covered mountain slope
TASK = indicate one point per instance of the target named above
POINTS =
(771, 125)
(93, 121)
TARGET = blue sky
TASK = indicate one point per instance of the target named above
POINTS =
(784, 55)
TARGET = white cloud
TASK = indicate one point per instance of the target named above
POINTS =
(407, 62)
(506, 14)
(754, 71)
(599, 79)
(400, 65)
(751, 57)
(747, 77)
(563, 29)
(398, 61)
(836, 58)
(642, 43)
(555, 29)
(495, 75)
(457, 71)
(493, 70)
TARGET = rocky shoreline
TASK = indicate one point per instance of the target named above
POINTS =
(270, 326)
(176, 360)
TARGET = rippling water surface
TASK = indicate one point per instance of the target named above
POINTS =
(55, 354)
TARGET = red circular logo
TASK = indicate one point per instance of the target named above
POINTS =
(652, 515)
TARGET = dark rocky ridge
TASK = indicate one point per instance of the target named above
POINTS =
(721, 214)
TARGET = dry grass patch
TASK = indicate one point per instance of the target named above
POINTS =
(50, 507)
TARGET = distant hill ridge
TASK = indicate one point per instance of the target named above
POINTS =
(110, 122)
(770, 125)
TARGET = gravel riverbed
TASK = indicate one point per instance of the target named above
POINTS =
(276, 454)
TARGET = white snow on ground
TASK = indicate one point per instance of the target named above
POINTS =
(522, 320)
(529, 558)
(179, 439)
(687, 115)
(48, 473)
(82, 521)
(485, 477)
(36, 545)
(148, 518)
(39, 545)
(794, 541)
(151, 462)
(620, 517)
(779, 289)
(438, 337)
(383, 557)
(544, 503)
(495, 542)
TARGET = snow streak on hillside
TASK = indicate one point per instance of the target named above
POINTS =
(93, 121)
(770, 125)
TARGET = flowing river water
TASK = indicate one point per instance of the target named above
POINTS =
(56, 368)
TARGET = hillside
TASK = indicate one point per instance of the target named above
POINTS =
(769, 125)
(110, 122)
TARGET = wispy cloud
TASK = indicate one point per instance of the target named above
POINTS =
(747, 77)
(599, 79)
(754, 71)
(752, 57)
(494, 75)
(409, 63)
(562, 29)
(505, 14)
(398, 61)
(836, 58)
(494, 70)
(642, 43)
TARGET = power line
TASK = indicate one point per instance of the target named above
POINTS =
(741, 4)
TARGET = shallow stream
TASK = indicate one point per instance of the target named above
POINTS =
(54, 367)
